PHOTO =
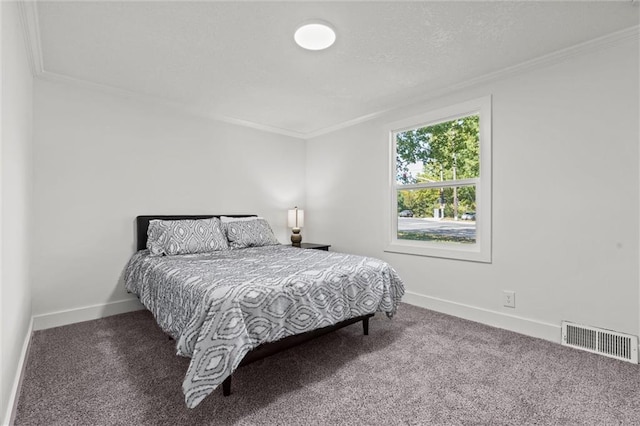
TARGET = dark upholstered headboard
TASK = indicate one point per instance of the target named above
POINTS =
(142, 224)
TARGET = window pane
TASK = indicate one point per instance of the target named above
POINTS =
(442, 151)
(435, 214)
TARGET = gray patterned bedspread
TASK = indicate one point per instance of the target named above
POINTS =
(218, 306)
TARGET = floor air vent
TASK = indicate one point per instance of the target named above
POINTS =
(600, 341)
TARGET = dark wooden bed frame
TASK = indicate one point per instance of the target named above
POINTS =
(266, 349)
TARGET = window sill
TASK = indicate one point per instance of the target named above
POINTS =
(468, 252)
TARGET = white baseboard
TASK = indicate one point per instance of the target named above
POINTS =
(529, 327)
(87, 313)
(12, 404)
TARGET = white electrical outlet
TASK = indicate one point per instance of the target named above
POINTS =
(509, 298)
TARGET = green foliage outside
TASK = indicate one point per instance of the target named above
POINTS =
(448, 150)
(426, 236)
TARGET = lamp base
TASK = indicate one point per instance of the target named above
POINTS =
(296, 238)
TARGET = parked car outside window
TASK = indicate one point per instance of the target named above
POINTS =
(406, 213)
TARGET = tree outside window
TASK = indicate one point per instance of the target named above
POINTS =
(441, 183)
(440, 153)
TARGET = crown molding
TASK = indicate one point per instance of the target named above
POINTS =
(28, 10)
(167, 103)
(631, 33)
(29, 15)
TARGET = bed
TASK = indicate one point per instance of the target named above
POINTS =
(231, 307)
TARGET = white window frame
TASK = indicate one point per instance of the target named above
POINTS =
(480, 251)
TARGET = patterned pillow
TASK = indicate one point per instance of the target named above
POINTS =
(188, 236)
(226, 219)
(250, 233)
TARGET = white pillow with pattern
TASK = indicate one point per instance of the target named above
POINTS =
(189, 236)
(227, 219)
(250, 233)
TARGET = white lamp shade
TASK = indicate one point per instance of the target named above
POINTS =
(296, 218)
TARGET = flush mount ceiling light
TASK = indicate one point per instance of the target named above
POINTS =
(315, 35)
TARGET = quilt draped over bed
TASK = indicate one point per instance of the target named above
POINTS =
(219, 306)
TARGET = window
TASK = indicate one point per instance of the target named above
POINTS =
(440, 183)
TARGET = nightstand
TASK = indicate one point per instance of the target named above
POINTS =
(313, 246)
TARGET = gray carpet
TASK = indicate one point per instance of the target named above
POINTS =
(422, 367)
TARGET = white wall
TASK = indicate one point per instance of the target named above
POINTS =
(565, 199)
(101, 160)
(15, 195)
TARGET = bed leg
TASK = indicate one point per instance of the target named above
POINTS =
(226, 386)
(365, 326)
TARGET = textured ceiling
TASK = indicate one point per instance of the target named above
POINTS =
(238, 59)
